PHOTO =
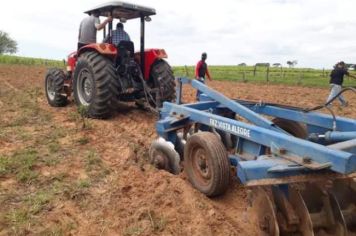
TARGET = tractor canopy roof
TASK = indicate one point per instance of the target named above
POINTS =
(121, 10)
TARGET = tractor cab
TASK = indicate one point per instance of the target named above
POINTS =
(123, 12)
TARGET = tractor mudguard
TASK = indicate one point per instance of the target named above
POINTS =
(151, 55)
(102, 48)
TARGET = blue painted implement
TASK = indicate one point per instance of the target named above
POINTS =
(294, 146)
(258, 134)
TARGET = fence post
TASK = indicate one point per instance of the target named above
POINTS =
(244, 76)
(254, 71)
(267, 74)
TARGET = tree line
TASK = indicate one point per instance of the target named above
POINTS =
(7, 44)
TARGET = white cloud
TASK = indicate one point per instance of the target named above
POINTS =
(317, 33)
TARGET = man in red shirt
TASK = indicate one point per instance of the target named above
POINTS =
(201, 70)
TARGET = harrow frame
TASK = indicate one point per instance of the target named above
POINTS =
(328, 151)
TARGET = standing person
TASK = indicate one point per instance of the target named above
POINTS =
(201, 70)
(88, 28)
(119, 34)
(336, 81)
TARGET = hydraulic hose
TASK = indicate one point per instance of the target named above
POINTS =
(352, 89)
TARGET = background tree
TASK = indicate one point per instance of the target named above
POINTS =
(7, 45)
(262, 64)
(292, 63)
(277, 64)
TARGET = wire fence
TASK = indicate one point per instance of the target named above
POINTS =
(289, 76)
(255, 74)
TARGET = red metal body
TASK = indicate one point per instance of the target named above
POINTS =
(151, 56)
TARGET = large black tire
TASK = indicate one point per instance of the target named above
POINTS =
(54, 86)
(206, 163)
(163, 78)
(95, 85)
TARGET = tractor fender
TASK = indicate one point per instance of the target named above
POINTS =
(151, 56)
(102, 48)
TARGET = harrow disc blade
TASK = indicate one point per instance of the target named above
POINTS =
(266, 214)
(305, 222)
(163, 156)
(344, 195)
(323, 210)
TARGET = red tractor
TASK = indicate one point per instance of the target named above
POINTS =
(101, 75)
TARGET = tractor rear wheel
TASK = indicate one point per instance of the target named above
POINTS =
(55, 88)
(206, 163)
(95, 86)
(164, 80)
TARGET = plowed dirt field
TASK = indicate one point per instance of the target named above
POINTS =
(58, 178)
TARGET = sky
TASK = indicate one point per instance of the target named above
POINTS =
(316, 33)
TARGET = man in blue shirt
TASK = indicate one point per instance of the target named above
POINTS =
(119, 34)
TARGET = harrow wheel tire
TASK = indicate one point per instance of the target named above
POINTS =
(54, 85)
(206, 163)
(164, 157)
(294, 128)
(163, 79)
(95, 85)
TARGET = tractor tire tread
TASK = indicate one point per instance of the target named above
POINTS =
(218, 160)
(105, 86)
(58, 76)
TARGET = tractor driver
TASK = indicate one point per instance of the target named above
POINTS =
(119, 34)
(88, 28)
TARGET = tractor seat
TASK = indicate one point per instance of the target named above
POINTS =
(125, 55)
(126, 48)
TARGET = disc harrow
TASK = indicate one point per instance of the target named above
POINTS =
(300, 165)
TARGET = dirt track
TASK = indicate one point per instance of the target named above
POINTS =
(97, 181)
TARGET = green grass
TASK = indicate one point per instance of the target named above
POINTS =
(8, 59)
(21, 164)
(288, 76)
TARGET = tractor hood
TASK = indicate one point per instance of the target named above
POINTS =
(120, 10)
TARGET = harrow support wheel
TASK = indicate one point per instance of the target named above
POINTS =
(206, 163)
(164, 157)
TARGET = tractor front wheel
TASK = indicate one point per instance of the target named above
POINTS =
(95, 86)
(55, 88)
